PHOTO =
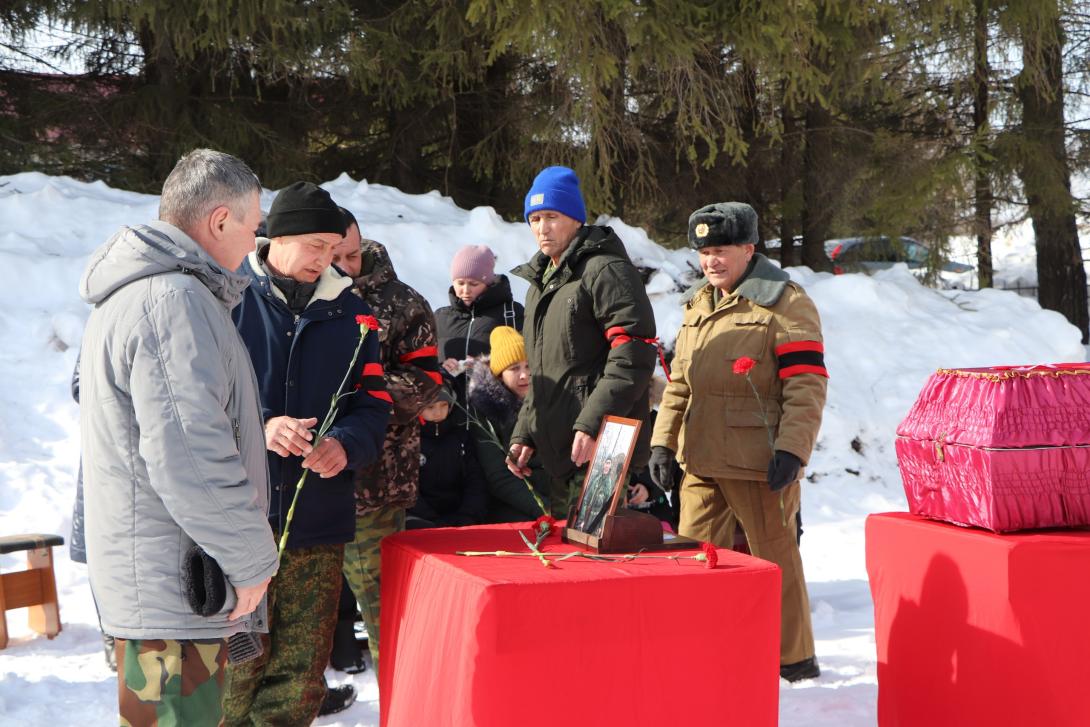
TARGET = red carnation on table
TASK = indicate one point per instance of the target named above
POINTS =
(711, 555)
(370, 321)
(544, 524)
(543, 527)
(743, 365)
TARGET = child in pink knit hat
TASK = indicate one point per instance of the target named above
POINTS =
(480, 300)
(471, 271)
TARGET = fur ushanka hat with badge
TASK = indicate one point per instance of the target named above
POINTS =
(723, 223)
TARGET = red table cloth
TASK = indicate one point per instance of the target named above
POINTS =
(483, 641)
(976, 628)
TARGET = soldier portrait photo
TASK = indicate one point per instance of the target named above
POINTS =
(607, 469)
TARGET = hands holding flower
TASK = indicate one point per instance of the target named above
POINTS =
(288, 436)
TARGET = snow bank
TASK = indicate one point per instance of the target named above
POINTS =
(884, 335)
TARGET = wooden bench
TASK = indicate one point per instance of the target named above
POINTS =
(34, 588)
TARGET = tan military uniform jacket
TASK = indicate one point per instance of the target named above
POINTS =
(711, 416)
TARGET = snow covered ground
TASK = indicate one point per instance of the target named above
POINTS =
(884, 335)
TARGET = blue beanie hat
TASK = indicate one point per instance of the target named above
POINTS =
(557, 189)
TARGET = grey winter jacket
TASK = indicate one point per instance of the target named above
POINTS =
(172, 440)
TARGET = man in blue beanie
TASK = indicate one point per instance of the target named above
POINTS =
(590, 338)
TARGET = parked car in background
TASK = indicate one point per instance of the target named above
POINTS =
(865, 254)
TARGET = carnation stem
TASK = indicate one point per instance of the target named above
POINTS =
(494, 439)
(771, 440)
(612, 558)
(533, 549)
(327, 423)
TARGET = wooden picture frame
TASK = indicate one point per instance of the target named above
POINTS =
(606, 524)
(604, 484)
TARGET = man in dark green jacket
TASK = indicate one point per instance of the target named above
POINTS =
(590, 337)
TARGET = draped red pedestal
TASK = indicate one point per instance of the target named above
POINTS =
(975, 628)
(502, 641)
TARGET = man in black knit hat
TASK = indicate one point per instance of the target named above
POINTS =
(298, 320)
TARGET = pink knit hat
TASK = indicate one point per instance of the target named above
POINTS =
(476, 262)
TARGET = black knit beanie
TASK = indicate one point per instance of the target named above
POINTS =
(303, 208)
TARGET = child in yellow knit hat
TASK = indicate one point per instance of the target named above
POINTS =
(497, 386)
(508, 360)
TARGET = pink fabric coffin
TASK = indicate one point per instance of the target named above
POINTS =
(1004, 448)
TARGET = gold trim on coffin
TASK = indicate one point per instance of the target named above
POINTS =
(1012, 374)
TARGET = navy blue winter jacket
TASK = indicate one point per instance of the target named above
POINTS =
(299, 362)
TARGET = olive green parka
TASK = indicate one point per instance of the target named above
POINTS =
(588, 335)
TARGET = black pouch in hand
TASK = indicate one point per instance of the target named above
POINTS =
(206, 592)
(203, 581)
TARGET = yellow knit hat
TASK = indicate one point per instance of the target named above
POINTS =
(507, 348)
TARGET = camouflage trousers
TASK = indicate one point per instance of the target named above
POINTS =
(170, 683)
(363, 561)
(285, 685)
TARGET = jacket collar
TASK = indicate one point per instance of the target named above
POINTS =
(157, 247)
(381, 269)
(488, 396)
(589, 240)
(330, 283)
(763, 285)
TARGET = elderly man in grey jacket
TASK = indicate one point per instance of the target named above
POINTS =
(173, 443)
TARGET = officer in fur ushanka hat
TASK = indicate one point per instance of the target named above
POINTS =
(743, 409)
(723, 223)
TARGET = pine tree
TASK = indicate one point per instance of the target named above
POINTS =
(1061, 276)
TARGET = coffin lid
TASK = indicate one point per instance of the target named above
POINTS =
(1004, 406)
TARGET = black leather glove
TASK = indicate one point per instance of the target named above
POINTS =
(783, 470)
(661, 467)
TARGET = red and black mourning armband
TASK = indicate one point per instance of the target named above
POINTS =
(801, 357)
(427, 360)
(373, 382)
(618, 336)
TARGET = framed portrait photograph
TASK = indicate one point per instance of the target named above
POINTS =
(604, 486)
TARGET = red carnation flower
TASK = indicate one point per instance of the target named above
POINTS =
(369, 321)
(743, 365)
(542, 528)
(544, 524)
(711, 555)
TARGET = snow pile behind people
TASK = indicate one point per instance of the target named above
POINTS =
(884, 336)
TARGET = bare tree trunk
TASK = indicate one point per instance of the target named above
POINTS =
(1061, 277)
(983, 185)
(816, 181)
(610, 147)
(408, 134)
(789, 185)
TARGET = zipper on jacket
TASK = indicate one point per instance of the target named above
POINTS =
(238, 435)
(469, 331)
